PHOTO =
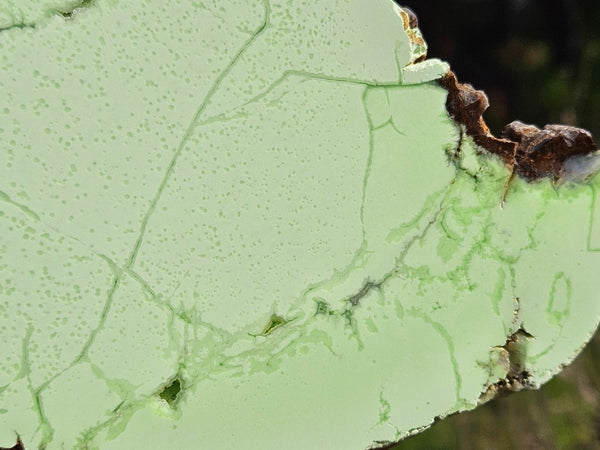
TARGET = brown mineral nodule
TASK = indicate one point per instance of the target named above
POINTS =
(467, 105)
(543, 152)
(531, 152)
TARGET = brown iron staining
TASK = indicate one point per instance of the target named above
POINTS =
(532, 153)
(467, 105)
(410, 23)
(18, 446)
(543, 153)
(409, 18)
(518, 378)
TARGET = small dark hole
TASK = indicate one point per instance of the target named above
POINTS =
(171, 392)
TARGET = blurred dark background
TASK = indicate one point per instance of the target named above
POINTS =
(539, 62)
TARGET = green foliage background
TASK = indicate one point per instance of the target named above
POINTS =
(539, 62)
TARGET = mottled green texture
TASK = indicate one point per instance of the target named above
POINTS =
(269, 207)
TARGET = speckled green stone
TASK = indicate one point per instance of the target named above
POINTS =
(237, 224)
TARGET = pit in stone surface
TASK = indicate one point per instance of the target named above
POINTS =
(170, 393)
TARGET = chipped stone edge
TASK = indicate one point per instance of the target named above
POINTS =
(561, 152)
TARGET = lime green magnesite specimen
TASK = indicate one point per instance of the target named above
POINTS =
(248, 224)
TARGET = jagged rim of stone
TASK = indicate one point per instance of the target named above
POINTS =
(525, 156)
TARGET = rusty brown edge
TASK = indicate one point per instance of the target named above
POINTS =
(528, 151)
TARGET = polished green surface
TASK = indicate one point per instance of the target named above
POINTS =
(271, 209)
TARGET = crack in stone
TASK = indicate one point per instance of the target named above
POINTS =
(354, 300)
(369, 286)
(516, 320)
(214, 363)
(36, 218)
(367, 169)
(213, 89)
(385, 410)
(555, 315)
(104, 314)
(25, 372)
(71, 12)
(306, 75)
(339, 275)
(24, 369)
(223, 20)
(420, 236)
(439, 328)
(18, 26)
(82, 355)
(518, 377)
(123, 411)
(117, 279)
(7, 199)
(347, 313)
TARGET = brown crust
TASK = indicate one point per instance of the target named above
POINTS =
(530, 152)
